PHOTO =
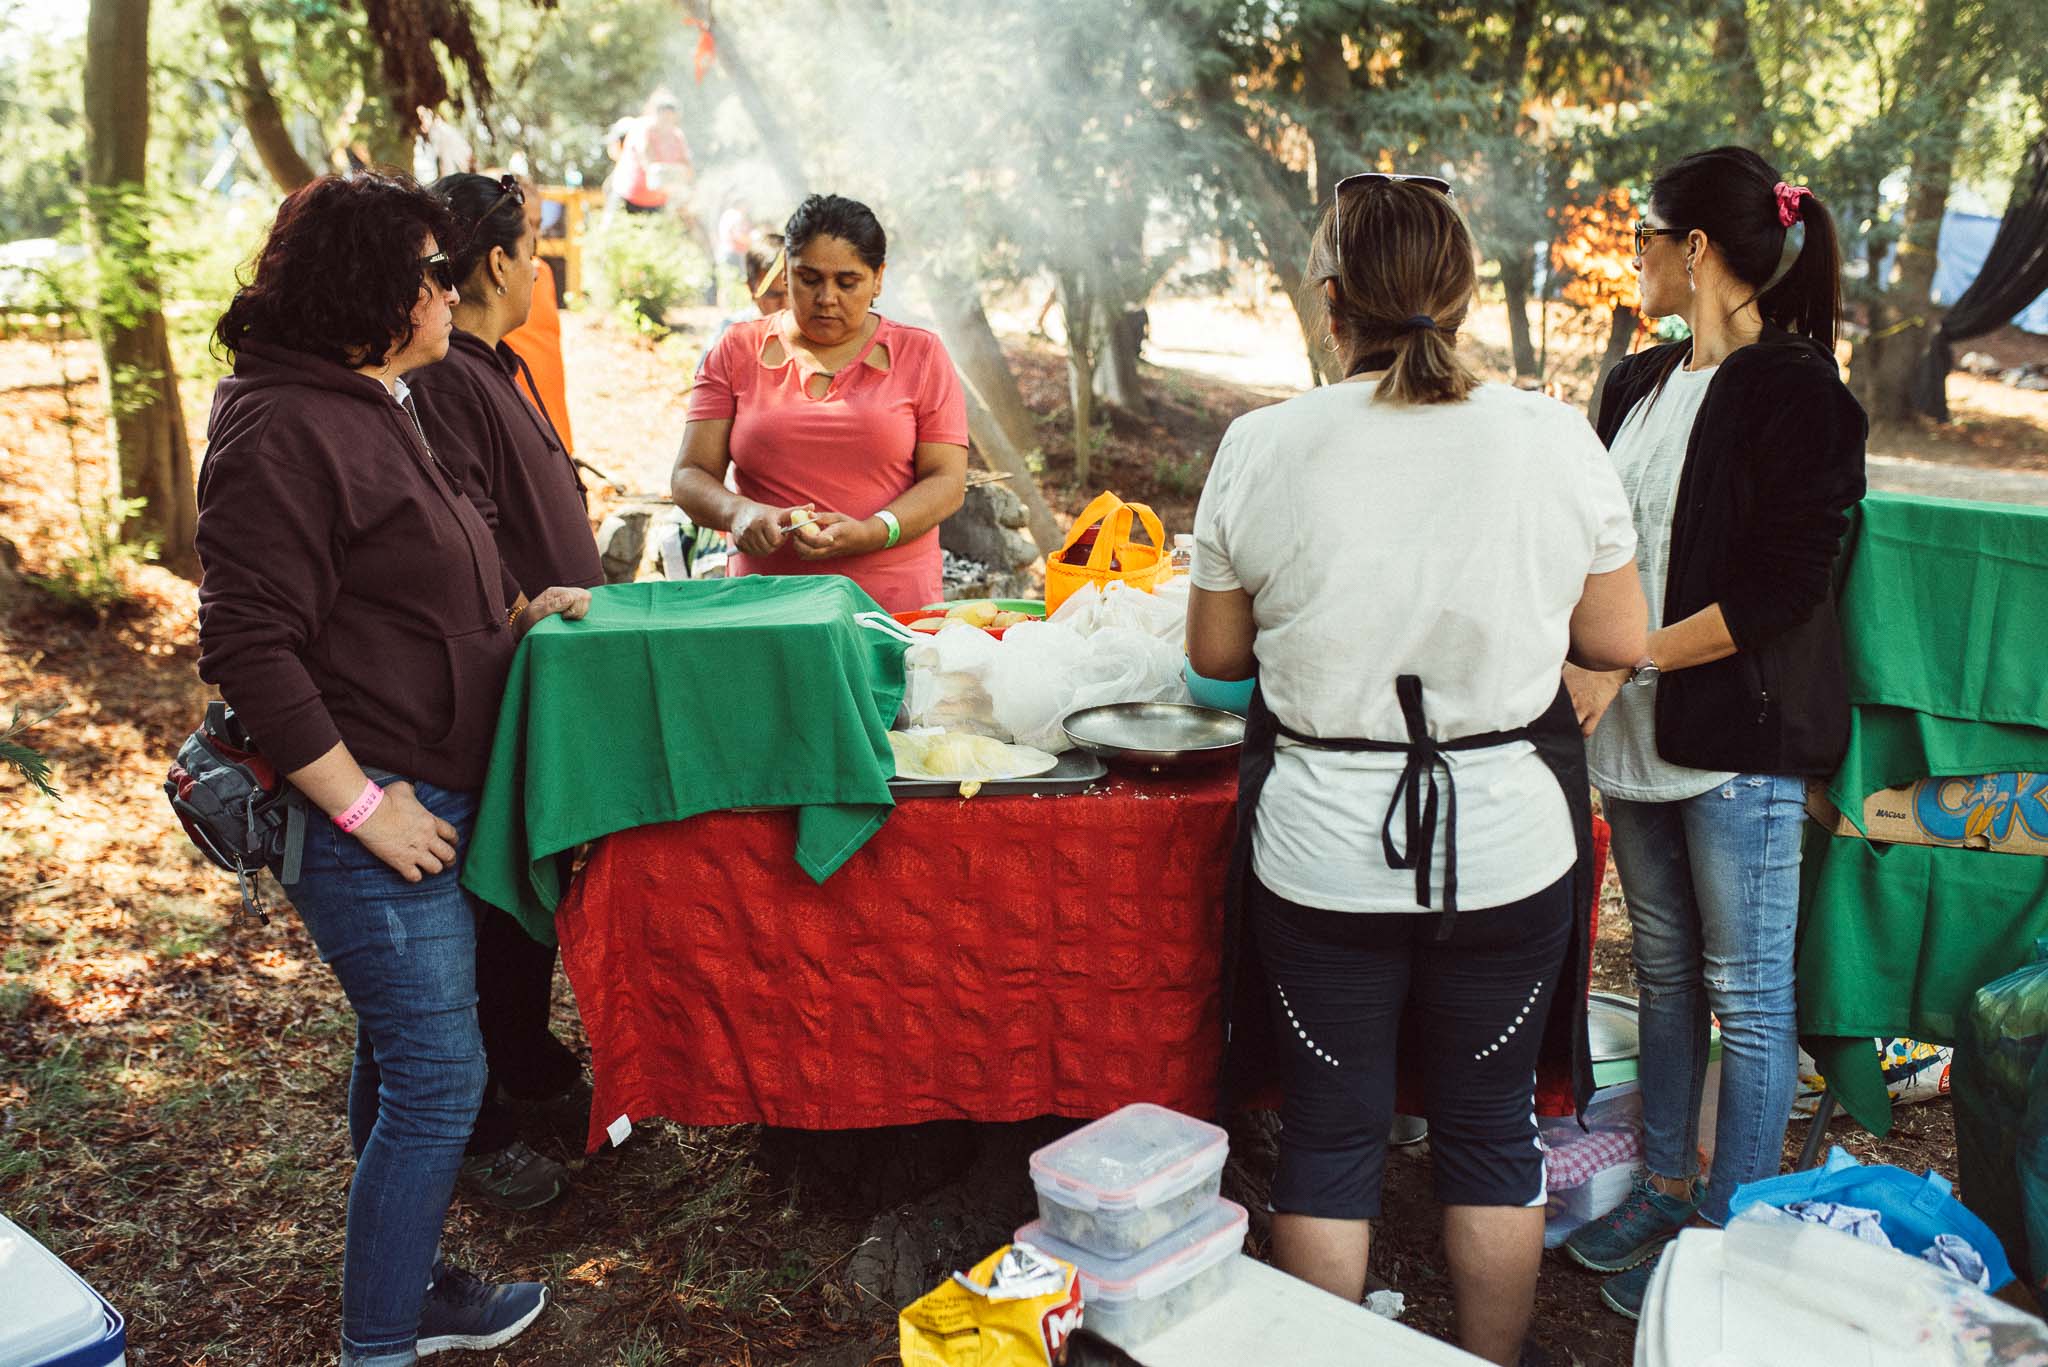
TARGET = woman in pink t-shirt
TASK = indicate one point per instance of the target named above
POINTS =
(828, 408)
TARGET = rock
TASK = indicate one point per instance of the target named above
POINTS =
(2032, 380)
(1977, 363)
(888, 1266)
(621, 542)
(985, 529)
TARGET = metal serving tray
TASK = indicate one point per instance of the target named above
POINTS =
(1076, 771)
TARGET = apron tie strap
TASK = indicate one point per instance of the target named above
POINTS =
(1417, 798)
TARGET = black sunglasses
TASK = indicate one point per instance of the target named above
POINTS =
(1436, 183)
(439, 269)
(1645, 233)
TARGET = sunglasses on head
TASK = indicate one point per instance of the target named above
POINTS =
(508, 188)
(439, 269)
(1436, 183)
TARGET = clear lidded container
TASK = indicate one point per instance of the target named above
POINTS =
(1120, 1184)
(1129, 1300)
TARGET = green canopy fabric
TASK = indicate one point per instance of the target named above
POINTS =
(671, 699)
(1941, 605)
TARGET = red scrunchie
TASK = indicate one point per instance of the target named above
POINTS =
(1788, 202)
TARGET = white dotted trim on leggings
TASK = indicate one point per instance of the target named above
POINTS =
(1313, 1047)
(1520, 1016)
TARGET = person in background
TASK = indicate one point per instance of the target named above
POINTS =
(765, 269)
(828, 408)
(504, 451)
(1411, 553)
(443, 150)
(654, 171)
(352, 612)
(735, 233)
(1702, 750)
(538, 340)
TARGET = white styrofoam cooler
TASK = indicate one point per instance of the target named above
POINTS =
(49, 1317)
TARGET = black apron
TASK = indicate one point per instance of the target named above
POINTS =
(1250, 1058)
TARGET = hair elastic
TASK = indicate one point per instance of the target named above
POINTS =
(1419, 322)
(1790, 210)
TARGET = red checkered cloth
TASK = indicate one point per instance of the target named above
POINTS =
(1586, 1155)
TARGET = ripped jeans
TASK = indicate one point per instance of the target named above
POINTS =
(406, 956)
(1712, 884)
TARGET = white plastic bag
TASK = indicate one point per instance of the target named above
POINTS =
(1124, 645)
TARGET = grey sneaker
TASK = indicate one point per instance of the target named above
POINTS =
(1633, 1230)
(1624, 1295)
(464, 1311)
(514, 1177)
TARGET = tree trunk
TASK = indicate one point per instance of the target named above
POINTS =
(1077, 312)
(150, 445)
(956, 307)
(1736, 60)
(1122, 334)
(1283, 241)
(1903, 316)
(386, 127)
(780, 147)
(1619, 339)
(1517, 278)
(995, 447)
(258, 106)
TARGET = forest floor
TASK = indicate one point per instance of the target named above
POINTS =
(172, 1077)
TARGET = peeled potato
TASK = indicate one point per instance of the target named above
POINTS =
(1008, 619)
(931, 625)
(979, 612)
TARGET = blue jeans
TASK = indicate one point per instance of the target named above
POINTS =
(406, 956)
(1712, 884)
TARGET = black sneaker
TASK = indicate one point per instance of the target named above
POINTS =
(514, 1177)
(464, 1311)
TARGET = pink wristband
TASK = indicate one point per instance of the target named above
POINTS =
(360, 810)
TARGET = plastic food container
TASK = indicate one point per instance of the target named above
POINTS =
(1128, 1300)
(49, 1317)
(1118, 1185)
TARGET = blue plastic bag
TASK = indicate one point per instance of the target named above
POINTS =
(1913, 1209)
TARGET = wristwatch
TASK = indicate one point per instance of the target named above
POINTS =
(1645, 673)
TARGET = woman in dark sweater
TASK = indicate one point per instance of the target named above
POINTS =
(506, 453)
(1741, 452)
(352, 612)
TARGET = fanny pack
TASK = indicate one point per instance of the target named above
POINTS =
(235, 806)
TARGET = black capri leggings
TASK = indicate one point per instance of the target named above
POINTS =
(1340, 982)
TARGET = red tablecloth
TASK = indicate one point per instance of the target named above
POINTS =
(994, 959)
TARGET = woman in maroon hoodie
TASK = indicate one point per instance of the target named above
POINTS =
(510, 459)
(353, 612)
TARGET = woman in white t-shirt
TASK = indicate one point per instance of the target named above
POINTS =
(1405, 559)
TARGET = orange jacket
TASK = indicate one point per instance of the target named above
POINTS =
(539, 343)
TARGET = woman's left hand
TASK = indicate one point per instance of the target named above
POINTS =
(571, 603)
(834, 535)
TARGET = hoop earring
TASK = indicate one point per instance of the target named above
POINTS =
(1329, 341)
(501, 290)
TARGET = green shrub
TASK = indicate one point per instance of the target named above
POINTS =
(643, 265)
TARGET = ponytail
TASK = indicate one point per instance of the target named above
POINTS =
(1426, 367)
(1807, 297)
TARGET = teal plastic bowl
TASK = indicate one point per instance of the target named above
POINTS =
(1229, 696)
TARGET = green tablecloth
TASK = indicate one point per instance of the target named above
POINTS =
(671, 699)
(1943, 604)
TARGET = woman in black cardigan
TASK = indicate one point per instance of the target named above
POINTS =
(1741, 452)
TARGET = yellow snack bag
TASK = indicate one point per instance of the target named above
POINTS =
(1014, 1308)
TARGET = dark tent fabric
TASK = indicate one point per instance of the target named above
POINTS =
(2015, 271)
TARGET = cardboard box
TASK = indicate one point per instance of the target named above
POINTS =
(2003, 812)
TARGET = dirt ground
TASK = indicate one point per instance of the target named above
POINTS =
(172, 1078)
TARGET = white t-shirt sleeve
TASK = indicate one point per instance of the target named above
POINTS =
(1607, 510)
(1213, 569)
